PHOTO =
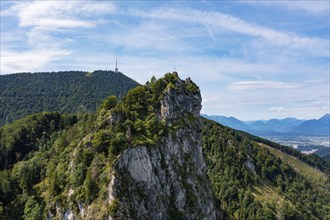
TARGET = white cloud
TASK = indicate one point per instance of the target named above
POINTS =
(311, 6)
(226, 22)
(277, 109)
(59, 14)
(52, 16)
(30, 61)
(56, 23)
(43, 20)
(149, 37)
(247, 85)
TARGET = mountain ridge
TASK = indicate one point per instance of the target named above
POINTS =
(286, 126)
(319, 126)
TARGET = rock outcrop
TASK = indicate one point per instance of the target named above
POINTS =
(167, 180)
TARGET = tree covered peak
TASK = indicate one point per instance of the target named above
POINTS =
(143, 115)
(23, 94)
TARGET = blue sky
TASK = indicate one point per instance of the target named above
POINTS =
(251, 59)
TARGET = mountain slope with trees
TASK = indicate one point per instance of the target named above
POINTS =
(60, 166)
(64, 92)
(252, 181)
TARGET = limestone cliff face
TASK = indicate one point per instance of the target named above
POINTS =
(167, 180)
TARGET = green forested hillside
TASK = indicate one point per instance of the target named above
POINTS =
(28, 134)
(51, 160)
(65, 92)
(255, 181)
(34, 159)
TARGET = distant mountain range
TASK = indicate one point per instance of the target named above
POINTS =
(287, 126)
(230, 122)
(314, 127)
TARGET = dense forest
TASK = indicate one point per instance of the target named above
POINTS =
(34, 161)
(63, 160)
(253, 182)
(64, 92)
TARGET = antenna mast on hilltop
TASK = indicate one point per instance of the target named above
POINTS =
(116, 69)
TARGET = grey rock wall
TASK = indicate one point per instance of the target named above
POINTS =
(169, 180)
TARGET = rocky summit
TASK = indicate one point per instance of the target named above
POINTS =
(167, 180)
